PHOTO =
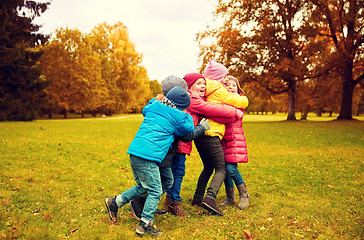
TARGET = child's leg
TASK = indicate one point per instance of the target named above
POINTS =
(166, 178)
(178, 170)
(139, 168)
(151, 182)
(240, 184)
(201, 144)
(214, 156)
(233, 174)
(229, 187)
(137, 191)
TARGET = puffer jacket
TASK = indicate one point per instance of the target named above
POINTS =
(234, 143)
(217, 93)
(199, 109)
(156, 133)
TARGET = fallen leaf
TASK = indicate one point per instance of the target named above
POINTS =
(248, 234)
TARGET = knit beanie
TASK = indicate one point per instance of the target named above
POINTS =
(191, 78)
(179, 97)
(240, 91)
(172, 81)
(215, 71)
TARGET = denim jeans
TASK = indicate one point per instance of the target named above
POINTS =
(213, 158)
(178, 170)
(166, 178)
(147, 176)
(233, 175)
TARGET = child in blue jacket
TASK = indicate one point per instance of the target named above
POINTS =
(163, 120)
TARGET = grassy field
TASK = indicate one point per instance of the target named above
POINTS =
(305, 179)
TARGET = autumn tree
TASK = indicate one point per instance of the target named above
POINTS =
(74, 71)
(155, 88)
(96, 72)
(273, 42)
(21, 87)
(319, 95)
(342, 23)
(125, 78)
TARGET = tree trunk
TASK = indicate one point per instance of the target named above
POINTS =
(360, 104)
(291, 101)
(50, 116)
(348, 89)
(304, 113)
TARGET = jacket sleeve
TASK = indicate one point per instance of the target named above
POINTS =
(197, 132)
(184, 125)
(208, 109)
(224, 120)
(232, 99)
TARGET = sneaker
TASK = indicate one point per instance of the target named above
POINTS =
(136, 207)
(210, 205)
(112, 208)
(143, 228)
(161, 212)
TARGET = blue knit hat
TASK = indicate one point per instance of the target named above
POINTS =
(179, 97)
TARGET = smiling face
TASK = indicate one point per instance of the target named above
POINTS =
(232, 86)
(199, 87)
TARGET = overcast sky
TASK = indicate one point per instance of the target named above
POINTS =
(162, 30)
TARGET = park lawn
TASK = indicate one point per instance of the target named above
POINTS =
(305, 179)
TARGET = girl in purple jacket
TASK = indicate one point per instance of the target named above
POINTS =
(235, 150)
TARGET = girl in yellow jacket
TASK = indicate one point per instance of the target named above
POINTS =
(209, 145)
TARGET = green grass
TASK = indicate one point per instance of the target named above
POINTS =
(305, 179)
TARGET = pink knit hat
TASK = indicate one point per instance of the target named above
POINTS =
(215, 71)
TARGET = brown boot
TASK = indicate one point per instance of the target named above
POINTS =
(176, 209)
(167, 201)
(230, 197)
(244, 196)
(210, 205)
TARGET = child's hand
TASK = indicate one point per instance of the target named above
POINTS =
(205, 124)
(159, 97)
(240, 114)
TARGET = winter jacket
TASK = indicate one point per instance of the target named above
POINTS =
(199, 109)
(168, 159)
(234, 144)
(217, 93)
(156, 134)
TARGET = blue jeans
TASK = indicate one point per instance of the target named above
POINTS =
(147, 176)
(166, 178)
(233, 175)
(178, 170)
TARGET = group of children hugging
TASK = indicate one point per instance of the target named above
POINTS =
(207, 109)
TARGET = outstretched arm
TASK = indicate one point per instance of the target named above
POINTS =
(197, 132)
